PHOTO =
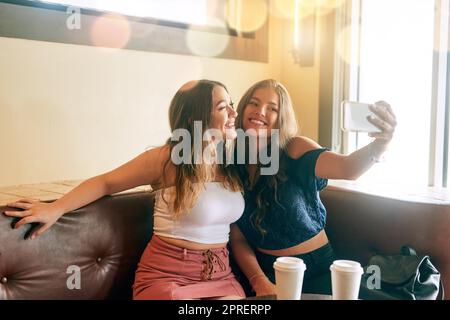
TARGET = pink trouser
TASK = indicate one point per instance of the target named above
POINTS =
(169, 272)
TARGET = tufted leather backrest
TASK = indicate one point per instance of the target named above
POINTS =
(104, 240)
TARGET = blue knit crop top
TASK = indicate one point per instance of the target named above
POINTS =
(297, 215)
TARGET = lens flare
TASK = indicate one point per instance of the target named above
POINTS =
(440, 43)
(286, 8)
(246, 15)
(327, 6)
(110, 30)
(142, 30)
(343, 44)
(209, 44)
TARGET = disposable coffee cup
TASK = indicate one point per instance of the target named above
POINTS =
(345, 279)
(289, 273)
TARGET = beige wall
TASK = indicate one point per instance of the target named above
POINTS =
(302, 84)
(71, 112)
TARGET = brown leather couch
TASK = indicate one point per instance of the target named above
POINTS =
(105, 240)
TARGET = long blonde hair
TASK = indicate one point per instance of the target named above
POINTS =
(287, 125)
(186, 107)
(288, 128)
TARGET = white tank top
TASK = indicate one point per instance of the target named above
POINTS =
(209, 220)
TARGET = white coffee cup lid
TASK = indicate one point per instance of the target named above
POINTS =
(346, 266)
(289, 263)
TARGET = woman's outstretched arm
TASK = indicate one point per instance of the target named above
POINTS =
(144, 169)
(331, 165)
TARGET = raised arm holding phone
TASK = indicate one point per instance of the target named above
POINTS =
(284, 215)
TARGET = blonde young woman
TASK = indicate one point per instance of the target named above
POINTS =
(195, 203)
(283, 213)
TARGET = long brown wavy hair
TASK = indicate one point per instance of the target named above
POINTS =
(287, 125)
(187, 106)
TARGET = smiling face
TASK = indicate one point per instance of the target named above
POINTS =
(267, 105)
(261, 111)
(223, 113)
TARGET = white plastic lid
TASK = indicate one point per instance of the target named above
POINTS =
(289, 263)
(346, 266)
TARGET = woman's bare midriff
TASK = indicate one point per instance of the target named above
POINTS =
(191, 245)
(312, 244)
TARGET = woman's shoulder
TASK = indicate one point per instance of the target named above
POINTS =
(300, 145)
(158, 156)
(158, 159)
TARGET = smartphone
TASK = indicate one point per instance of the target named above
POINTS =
(354, 117)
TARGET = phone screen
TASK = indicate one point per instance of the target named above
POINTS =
(354, 117)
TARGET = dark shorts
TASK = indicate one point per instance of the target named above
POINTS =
(317, 277)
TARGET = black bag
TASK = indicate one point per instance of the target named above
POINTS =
(406, 276)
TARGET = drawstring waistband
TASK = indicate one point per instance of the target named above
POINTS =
(210, 258)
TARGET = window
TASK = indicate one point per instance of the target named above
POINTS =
(394, 57)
